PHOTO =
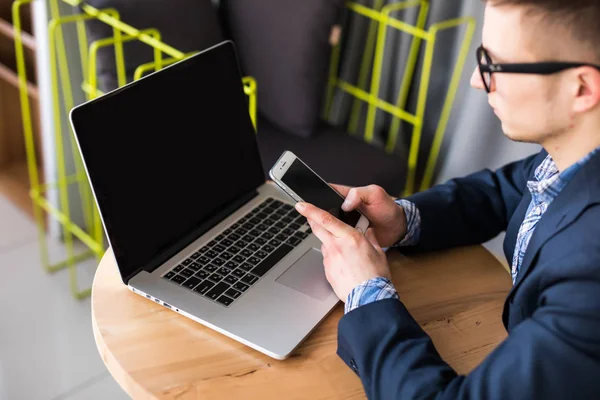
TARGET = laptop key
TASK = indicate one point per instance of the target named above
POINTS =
(241, 244)
(227, 231)
(211, 254)
(202, 274)
(234, 250)
(281, 237)
(294, 241)
(274, 242)
(203, 250)
(267, 235)
(212, 243)
(187, 272)
(195, 266)
(260, 241)
(215, 277)
(246, 266)
(210, 268)
(226, 242)
(204, 287)
(249, 279)
(261, 227)
(261, 215)
(231, 265)
(246, 252)
(234, 236)
(249, 238)
(218, 262)
(235, 226)
(238, 273)
(280, 225)
(239, 259)
(234, 294)
(255, 232)
(273, 230)
(268, 248)
(276, 203)
(178, 268)
(223, 271)
(224, 300)
(301, 220)
(268, 263)
(287, 207)
(253, 246)
(187, 262)
(216, 291)
(203, 260)
(242, 287)
(288, 231)
(301, 235)
(268, 200)
(178, 279)
(226, 256)
(294, 226)
(241, 231)
(269, 221)
(230, 279)
(191, 283)
(261, 254)
(219, 248)
(287, 220)
(169, 275)
(281, 212)
(248, 226)
(253, 260)
(195, 255)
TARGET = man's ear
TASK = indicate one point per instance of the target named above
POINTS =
(588, 92)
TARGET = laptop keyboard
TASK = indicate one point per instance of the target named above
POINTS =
(228, 266)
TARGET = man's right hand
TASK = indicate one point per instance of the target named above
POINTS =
(387, 218)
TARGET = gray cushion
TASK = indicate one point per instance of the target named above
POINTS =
(187, 25)
(284, 44)
(336, 156)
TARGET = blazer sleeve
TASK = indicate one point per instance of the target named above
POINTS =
(553, 354)
(471, 210)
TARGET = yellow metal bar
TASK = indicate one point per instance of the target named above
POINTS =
(32, 163)
(452, 90)
(378, 103)
(128, 29)
(364, 69)
(98, 44)
(394, 23)
(250, 91)
(68, 101)
(411, 65)
(418, 129)
(58, 137)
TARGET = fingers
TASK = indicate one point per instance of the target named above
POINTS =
(324, 219)
(341, 188)
(370, 235)
(324, 236)
(361, 195)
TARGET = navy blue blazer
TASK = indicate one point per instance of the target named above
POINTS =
(552, 313)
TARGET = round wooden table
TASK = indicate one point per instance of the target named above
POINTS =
(456, 296)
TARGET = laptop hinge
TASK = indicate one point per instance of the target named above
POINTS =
(218, 216)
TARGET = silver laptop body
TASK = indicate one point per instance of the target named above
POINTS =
(250, 268)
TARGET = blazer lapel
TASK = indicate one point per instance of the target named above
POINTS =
(568, 205)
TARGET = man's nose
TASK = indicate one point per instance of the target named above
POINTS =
(476, 80)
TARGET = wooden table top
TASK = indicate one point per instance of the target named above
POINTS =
(456, 296)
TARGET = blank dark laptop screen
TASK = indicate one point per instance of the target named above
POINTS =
(167, 152)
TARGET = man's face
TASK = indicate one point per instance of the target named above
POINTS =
(528, 105)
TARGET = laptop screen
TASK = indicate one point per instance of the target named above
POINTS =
(167, 152)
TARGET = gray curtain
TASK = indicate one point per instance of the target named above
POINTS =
(473, 139)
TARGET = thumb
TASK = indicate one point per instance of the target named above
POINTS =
(355, 197)
(370, 235)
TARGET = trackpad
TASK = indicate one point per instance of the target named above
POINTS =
(307, 275)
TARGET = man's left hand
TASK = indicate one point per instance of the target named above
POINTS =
(350, 258)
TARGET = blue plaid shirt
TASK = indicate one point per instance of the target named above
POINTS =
(548, 183)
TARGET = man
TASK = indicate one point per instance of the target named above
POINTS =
(548, 204)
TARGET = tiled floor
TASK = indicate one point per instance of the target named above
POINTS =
(47, 349)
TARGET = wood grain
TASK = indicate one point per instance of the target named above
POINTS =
(154, 353)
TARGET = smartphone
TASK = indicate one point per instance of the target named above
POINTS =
(302, 184)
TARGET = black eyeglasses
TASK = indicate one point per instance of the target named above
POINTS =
(487, 68)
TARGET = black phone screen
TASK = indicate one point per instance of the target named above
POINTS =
(312, 189)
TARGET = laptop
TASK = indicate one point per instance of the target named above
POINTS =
(175, 169)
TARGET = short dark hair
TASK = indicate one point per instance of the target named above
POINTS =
(579, 18)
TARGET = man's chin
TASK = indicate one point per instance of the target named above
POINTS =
(512, 135)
